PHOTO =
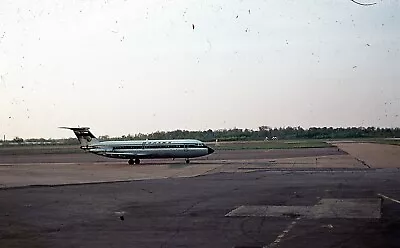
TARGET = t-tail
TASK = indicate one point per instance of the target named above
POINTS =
(85, 137)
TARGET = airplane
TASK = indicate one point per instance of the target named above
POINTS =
(134, 150)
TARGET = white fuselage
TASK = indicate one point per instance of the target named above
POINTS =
(186, 148)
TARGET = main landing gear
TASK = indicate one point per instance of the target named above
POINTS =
(132, 162)
(187, 160)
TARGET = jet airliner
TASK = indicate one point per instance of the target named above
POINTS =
(134, 150)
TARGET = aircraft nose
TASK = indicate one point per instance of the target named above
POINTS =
(210, 150)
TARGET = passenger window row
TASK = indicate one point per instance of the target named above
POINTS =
(159, 147)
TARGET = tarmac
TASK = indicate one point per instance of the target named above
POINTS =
(278, 198)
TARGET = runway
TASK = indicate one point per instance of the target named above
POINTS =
(78, 168)
(18, 157)
(326, 199)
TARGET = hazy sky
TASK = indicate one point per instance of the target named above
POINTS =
(139, 66)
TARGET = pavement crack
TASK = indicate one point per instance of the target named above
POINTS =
(247, 233)
(260, 227)
(180, 217)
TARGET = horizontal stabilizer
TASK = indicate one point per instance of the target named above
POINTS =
(76, 128)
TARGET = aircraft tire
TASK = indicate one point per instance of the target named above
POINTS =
(137, 161)
(131, 162)
(187, 160)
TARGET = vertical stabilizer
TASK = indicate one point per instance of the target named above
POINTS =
(85, 137)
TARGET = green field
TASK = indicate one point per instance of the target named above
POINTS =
(388, 142)
(279, 144)
(373, 140)
(39, 149)
(70, 149)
